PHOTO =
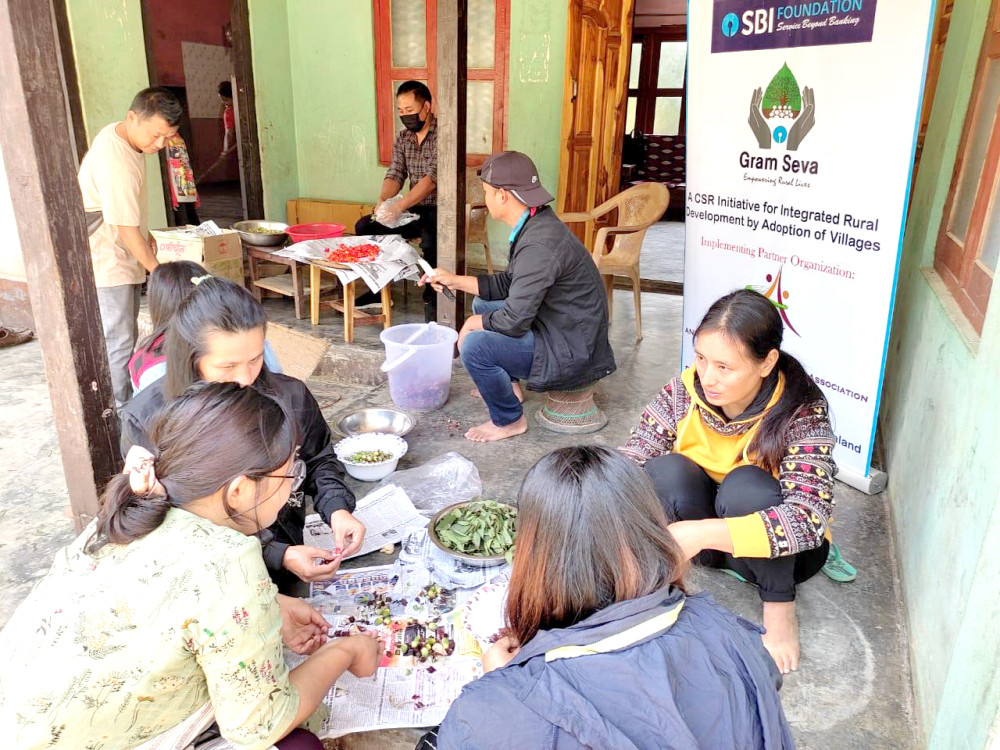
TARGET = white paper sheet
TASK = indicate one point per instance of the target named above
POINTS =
(387, 514)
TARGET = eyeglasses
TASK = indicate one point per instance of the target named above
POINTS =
(298, 475)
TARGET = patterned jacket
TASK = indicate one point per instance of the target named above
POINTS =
(805, 475)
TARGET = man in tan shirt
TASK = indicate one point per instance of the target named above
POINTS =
(113, 183)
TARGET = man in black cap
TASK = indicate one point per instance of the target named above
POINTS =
(544, 319)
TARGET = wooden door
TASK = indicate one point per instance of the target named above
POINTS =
(598, 42)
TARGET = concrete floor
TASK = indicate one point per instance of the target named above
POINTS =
(662, 254)
(853, 688)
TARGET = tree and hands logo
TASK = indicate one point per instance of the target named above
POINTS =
(782, 100)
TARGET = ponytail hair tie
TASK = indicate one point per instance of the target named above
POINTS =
(142, 474)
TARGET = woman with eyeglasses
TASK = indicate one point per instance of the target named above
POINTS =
(160, 618)
(217, 335)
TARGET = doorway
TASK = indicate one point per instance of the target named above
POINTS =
(190, 49)
(654, 144)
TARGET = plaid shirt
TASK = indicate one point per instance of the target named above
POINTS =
(415, 160)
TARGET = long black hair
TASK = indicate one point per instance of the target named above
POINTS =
(750, 320)
(216, 305)
(169, 285)
(561, 576)
(204, 439)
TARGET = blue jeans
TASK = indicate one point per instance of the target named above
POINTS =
(494, 360)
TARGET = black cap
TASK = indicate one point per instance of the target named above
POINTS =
(515, 172)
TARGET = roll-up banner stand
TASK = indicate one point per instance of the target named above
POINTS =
(802, 121)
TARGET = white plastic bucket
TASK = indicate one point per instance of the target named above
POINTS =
(418, 358)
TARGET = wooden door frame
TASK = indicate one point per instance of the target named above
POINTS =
(71, 81)
(244, 103)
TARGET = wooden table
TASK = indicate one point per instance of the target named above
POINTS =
(352, 316)
(295, 290)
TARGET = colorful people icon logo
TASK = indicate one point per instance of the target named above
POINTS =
(778, 297)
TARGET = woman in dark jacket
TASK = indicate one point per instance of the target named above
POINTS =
(605, 648)
(217, 335)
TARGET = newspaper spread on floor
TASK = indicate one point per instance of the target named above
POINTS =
(417, 548)
(387, 514)
(428, 654)
(397, 258)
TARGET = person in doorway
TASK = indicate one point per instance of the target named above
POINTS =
(604, 647)
(228, 116)
(544, 319)
(112, 181)
(740, 450)
(228, 119)
(168, 286)
(183, 190)
(161, 615)
(414, 155)
(217, 335)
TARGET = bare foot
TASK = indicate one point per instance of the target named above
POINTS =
(518, 393)
(488, 432)
(782, 636)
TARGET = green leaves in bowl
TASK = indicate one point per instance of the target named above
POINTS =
(369, 457)
(483, 528)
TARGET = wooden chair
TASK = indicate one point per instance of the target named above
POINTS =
(476, 214)
(638, 208)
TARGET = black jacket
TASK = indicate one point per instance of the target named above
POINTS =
(324, 483)
(552, 287)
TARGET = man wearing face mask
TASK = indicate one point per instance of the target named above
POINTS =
(414, 155)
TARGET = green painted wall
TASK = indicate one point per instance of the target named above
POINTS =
(269, 36)
(333, 73)
(940, 420)
(331, 99)
(111, 66)
(537, 67)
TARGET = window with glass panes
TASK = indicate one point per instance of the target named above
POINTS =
(406, 49)
(657, 70)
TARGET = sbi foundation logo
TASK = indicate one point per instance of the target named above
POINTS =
(790, 110)
(777, 296)
(740, 25)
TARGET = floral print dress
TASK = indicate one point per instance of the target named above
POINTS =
(110, 650)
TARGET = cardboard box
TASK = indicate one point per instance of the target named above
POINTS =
(221, 255)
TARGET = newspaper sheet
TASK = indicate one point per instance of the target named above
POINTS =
(397, 258)
(449, 571)
(387, 514)
(403, 606)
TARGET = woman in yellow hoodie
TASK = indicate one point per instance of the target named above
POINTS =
(739, 448)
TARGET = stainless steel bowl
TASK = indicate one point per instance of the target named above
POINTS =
(391, 421)
(475, 560)
(258, 239)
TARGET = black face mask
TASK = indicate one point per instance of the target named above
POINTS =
(413, 123)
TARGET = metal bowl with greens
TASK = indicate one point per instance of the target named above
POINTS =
(478, 531)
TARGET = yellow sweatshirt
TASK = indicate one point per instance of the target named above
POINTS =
(679, 421)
